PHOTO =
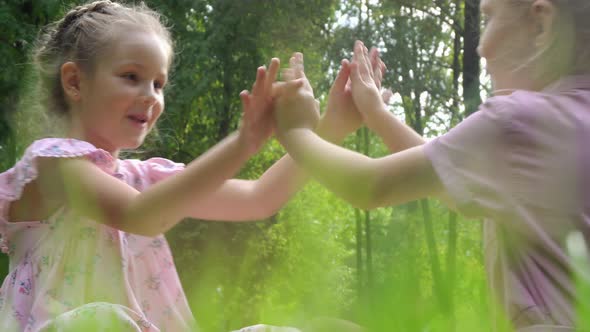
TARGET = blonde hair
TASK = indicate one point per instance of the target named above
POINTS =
(81, 36)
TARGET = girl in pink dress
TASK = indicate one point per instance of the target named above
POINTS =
(83, 229)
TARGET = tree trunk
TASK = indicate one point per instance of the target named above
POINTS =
(471, 59)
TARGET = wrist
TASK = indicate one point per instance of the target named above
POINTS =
(375, 116)
(330, 132)
(244, 145)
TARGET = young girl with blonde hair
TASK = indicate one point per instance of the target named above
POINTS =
(83, 228)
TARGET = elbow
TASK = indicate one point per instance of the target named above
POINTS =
(262, 209)
(138, 230)
(372, 196)
(131, 227)
(266, 213)
(365, 194)
(264, 203)
(360, 199)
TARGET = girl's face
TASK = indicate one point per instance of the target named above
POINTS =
(121, 100)
(507, 44)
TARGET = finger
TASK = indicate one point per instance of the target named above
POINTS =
(375, 65)
(342, 77)
(271, 74)
(374, 56)
(285, 88)
(377, 77)
(259, 83)
(348, 85)
(245, 98)
(288, 74)
(296, 63)
(368, 61)
(361, 60)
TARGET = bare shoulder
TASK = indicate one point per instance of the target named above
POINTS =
(46, 193)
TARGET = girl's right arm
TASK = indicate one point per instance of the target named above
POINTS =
(95, 194)
(365, 75)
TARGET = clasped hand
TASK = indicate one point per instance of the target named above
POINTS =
(354, 96)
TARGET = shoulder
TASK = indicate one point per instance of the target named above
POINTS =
(43, 157)
(68, 148)
(496, 117)
(152, 170)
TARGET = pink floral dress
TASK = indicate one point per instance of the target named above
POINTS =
(67, 270)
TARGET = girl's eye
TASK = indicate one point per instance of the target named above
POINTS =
(130, 76)
(158, 85)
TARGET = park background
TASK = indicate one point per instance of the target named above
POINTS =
(416, 267)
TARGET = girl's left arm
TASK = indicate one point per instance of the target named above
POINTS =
(247, 200)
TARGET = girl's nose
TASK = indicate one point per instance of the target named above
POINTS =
(149, 98)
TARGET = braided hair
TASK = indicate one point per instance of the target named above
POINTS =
(81, 36)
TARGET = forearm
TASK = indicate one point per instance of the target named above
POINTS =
(285, 178)
(395, 134)
(346, 173)
(166, 203)
(261, 198)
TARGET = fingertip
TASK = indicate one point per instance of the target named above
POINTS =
(344, 68)
(245, 98)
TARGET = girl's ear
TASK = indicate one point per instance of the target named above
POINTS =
(544, 14)
(70, 81)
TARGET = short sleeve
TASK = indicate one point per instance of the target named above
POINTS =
(160, 168)
(467, 159)
(13, 181)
